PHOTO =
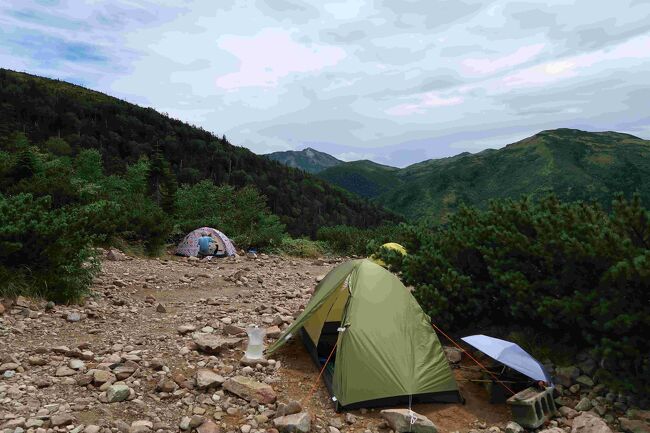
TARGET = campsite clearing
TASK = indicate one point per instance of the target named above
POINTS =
(122, 333)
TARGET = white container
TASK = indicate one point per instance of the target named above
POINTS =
(255, 347)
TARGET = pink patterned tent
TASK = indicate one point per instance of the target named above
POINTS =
(189, 246)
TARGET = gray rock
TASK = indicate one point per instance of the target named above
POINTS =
(213, 344)
(585, 381)
(73, 316)
(583, 405)
(62, 419)
(250, 389)
(206, 378)
(208, 427)
(566, 376)
(634, 425)
(64, 371)
(588, 422)
(400, 421)
(513, 427)
(453, 354)
(166, 385)
(141, 426)
(117, 393)
(297, 422)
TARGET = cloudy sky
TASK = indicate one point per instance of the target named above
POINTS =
(395, 81)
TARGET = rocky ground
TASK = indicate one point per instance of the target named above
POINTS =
(157, 347)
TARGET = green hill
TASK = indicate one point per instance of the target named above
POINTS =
(309, 160)
(123, 133)
(574, 164)
(365, 178)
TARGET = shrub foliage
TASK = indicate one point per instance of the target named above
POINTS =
(564, 269)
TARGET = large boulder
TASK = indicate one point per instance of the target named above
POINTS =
(297, 422)
(214, 344)
(250, 389)
(400, 421)
(588, 422)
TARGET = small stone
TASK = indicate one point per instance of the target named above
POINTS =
(76, 364)
(588, 422)
(298, 422)
(399, 421)
(92, 428)
(186, 329)
(585, 381)
(583, 405)
(513, 427)
(350, 419)
(250, 389)
(453, 354)
(206, 378)
(160, 308)
(117, 393)
(62, 419)
(73, 317)
(141, 426)
(246, 428)
(208, 427)
(196, 421)
(166, 385)
(64, 371)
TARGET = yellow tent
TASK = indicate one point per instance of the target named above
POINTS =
(390, 246)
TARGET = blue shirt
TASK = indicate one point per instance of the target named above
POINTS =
(204, 244)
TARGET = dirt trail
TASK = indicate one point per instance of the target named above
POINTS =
(122, 321)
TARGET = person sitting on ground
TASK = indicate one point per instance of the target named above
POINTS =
(204, 244)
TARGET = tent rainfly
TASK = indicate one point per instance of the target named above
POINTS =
(385, 351)
(189, 246)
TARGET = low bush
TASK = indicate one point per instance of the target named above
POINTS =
(300, 247)
(564, 269)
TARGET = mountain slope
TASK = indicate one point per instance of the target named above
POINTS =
(574, 164)
(365, 178)
(124, 132)
(309, 160)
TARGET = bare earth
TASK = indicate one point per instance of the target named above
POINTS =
(120, 324)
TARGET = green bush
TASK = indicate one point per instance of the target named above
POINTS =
(567, 270)
(347, 240)
(45, 251)
(300, 247)
(241, 214)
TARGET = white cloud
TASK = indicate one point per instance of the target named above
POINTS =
(271, 55)
(387, 80)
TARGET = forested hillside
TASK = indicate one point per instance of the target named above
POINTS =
(365, 178)
(122, 132)
(573, 164)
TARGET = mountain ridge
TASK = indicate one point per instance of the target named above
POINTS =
(123, 132)
(574, 164)
(308, 159)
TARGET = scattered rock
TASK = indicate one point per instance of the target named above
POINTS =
(213, 344)
(453, 354)
(634, 425)
(513, 427)
(141, 426)
(64, 370)
(160, 308)
(208, 427)
(206, 378)
(588, 422)
(583, 405)
(62, 419)
(166, 385)
(399, 421)
(297, 422)
(117, 393)
(289, 409)
(73, 317)
(249, 389)
(186, 329)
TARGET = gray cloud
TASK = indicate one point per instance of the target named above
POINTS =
(397, 81)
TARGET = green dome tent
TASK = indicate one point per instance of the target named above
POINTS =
(386, 352)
